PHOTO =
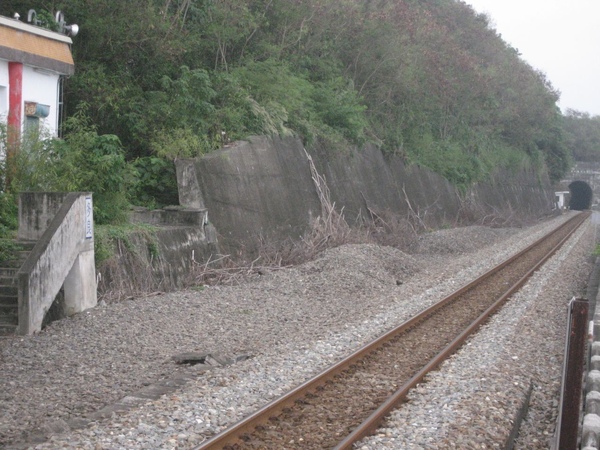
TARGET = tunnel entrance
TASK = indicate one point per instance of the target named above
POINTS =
(581, 196)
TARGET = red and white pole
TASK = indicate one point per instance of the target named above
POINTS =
(15, 117)
(15, 96)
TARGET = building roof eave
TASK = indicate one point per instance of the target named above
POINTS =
(35, 46)
(32, 29)
(37, 61)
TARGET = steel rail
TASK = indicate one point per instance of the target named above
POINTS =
(231, 435)
(375, 419)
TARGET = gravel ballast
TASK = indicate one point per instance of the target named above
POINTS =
(282, 328)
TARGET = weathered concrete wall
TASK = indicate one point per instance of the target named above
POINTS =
(263, 187)
(62, 256)
(160, 260)
(36, 210)
(366, 179)
(521, 194)
(171, 216)
(260, 187)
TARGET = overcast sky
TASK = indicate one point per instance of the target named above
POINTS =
(559, 37)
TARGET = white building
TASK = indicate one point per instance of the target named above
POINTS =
(33, 61)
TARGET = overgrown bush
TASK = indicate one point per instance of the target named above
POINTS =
(8, 200)
(83, 161)
(8, 225)
(107, 238)
(152, 182)
(125, 261)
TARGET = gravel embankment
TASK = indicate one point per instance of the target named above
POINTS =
(293, 323)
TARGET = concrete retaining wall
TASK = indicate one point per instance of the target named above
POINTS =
(263, 188)
(520, 194)
(160, 259)
(366, 178)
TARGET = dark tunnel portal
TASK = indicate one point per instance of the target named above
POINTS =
(581, 196)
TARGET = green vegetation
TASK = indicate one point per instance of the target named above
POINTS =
(83, 161)
(428, 80)
(582, 134)
(8, 248)
(108, 237)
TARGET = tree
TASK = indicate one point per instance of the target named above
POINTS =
(583, 135)
(428, 80)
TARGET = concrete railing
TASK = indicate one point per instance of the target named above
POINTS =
(62, 225)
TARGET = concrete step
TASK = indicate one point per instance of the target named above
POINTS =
(9, 294)
(19, 255)
(9, 307)
(10, 319)
(9, 310)
(16, 260)
(11, 263)
(26, 245)
(9, 323)
(8, 277)
(8, 290)
(8, 272)
(8, 329)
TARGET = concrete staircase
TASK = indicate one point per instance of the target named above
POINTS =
(9, 293)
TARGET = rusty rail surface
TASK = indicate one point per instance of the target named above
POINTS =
(232, 435)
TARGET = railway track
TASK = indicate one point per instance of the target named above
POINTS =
(349, 400)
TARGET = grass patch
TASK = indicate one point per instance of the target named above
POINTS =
(108, 237)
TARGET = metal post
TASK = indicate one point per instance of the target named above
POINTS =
(570, 404)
